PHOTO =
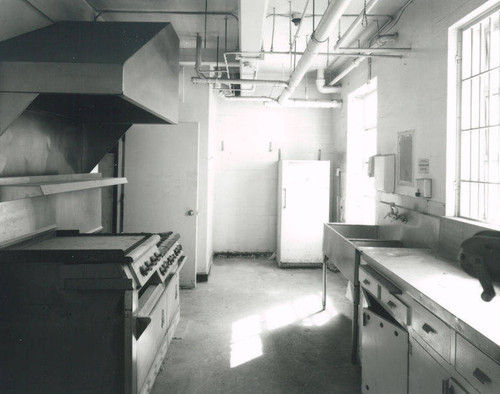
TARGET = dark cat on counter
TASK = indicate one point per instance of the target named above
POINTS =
(479, 256)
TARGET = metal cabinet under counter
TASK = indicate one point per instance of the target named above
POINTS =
(442, 287)
(447, 319)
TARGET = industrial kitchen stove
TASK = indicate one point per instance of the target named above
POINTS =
(89, 313)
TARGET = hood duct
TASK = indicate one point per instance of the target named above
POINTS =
(92, 72)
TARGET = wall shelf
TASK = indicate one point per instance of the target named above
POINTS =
(28, 187)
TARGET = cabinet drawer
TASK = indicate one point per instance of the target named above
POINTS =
(433, 330)
(479, 369)
(395, 306)
(368, 281)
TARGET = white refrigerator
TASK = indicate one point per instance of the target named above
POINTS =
(303, 207)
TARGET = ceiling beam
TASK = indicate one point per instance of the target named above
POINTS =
(252, 18)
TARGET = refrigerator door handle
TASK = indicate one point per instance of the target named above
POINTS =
(284, 197)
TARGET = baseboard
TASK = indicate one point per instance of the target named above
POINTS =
(244, 254)
(203, 276)
(299, 265)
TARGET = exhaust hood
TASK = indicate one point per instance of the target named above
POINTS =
(92, 72)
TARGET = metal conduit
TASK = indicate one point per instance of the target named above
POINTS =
(355, 24)
(210, 80)
(325, 27)
(301, 103)
(357, 61)
(210, 13)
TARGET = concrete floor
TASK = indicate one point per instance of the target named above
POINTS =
(256, 328)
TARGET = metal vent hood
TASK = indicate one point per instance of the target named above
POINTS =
(93, 72)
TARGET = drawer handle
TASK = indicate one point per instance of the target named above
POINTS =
(391, 304)
(428, 329)
(366, 281)
(481, 376)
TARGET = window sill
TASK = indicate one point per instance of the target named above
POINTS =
(481, 226)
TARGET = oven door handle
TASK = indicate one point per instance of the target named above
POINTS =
(141, 323)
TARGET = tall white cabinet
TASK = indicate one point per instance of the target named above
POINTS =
(303, 207)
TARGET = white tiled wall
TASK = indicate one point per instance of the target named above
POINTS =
(412, 95)
(245, 206)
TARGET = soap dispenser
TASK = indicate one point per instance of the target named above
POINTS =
(424, 188)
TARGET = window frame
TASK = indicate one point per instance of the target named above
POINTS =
(454, 110)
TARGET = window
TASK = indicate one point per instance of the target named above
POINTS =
(361, 144)
(478, 146)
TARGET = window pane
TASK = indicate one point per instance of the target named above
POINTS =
(464, 199)
(465, 156)
(480, 121)
(485, 45)
(466, 53)
(494, 164)
(495, 42)
(494, 102)
(483, 155)
(474, 201)
(466, 104)
(476, 46)
(475, 103)
(484, 101)
(482, 202)
(493, 200)
(474, 155)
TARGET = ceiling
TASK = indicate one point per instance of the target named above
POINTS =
(231, 27)
(259, 31)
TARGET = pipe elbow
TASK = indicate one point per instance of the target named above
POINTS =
(321, 85)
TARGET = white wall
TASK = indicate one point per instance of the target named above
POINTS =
(412, 95)
(245, 206)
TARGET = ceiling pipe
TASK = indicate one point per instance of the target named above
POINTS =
(348, 37)
(258, 99)
(379, 41)
(325, 28)
(355, 63)
(210, 80)
(371, 52)
(320, 84)
(301, 103)
(355, 24)
(101, 12)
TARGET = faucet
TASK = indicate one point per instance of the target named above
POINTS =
(395, 215)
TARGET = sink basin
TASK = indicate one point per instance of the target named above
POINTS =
(342, 244)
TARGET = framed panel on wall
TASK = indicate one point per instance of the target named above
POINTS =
(405, 158)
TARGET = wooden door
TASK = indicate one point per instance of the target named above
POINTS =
(384, 356)
(161, 166)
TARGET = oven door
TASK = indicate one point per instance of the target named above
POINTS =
(151, 328)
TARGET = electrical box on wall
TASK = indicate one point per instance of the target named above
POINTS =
(384, 172)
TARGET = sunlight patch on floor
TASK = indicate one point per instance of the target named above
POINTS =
(246, 343)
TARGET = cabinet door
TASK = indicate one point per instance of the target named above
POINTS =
(429, 377)
(426, 375)
(384, 356)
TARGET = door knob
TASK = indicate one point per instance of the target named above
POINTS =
(190, 212)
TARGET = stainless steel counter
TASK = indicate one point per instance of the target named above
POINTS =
(439, 284)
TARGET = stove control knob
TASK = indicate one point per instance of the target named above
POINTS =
(144, 270)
